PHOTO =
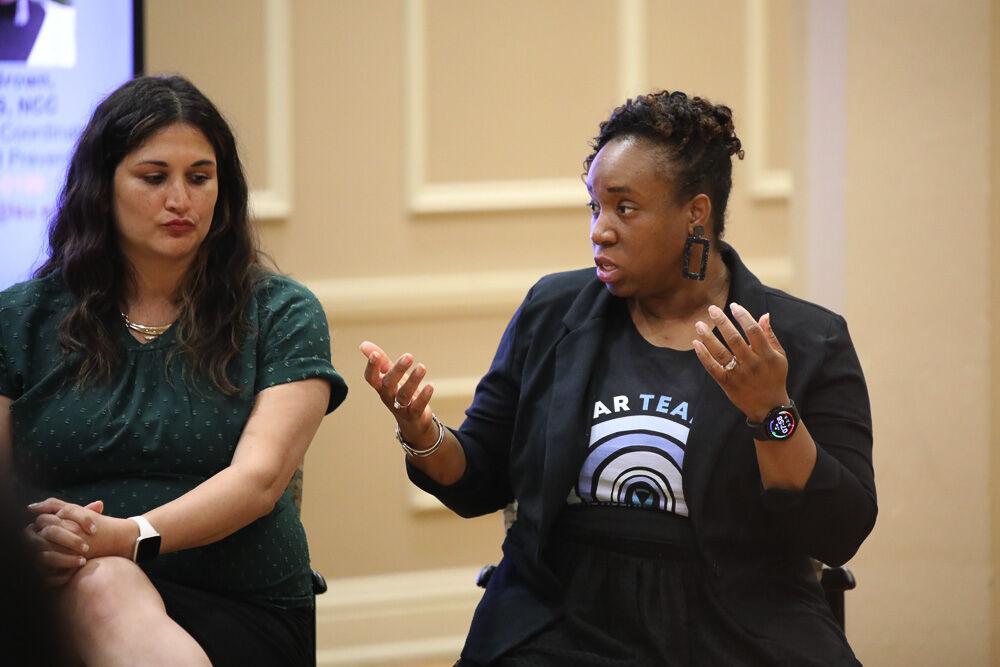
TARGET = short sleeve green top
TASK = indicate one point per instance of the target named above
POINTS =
(153, 432)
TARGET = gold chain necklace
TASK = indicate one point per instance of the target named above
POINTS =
(147, 332)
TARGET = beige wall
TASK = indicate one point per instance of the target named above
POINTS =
(493, 108)
(995, 323)
(433, 153)
(919, 302)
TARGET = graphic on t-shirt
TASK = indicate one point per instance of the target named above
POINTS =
(636, 457)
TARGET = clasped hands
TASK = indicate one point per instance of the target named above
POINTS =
(752, 371)
(65, 535)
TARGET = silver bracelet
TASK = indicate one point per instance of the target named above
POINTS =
(409, 449)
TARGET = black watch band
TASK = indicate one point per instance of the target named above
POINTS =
(779, 424)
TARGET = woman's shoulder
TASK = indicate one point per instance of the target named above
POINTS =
(803, 324)
(567, 280)
(279, 299)
(46, 293)
(575, 294)
(276, 290)
(563, 285)
(805, 312)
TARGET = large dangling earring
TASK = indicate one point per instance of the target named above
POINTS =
(697, 238)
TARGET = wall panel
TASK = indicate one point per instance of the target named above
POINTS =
(247, 79)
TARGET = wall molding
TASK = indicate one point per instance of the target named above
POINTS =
(460, 295)
(766, 184)
(423, 297)
(424, 197)
(505, 195)
(273, 202)
(395, 618)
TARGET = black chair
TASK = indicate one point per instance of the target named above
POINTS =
(835, 582)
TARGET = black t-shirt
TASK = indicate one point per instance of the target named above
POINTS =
(642, 407)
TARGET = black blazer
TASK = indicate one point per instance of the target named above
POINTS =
(523, 439)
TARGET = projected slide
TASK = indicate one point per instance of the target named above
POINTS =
(58, 58)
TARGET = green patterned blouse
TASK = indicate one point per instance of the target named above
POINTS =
(152, 433)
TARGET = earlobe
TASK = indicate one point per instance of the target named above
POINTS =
(701, 212)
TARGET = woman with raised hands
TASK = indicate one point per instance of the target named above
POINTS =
(680, 440)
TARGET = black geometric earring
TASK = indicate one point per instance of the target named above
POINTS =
(696, 238)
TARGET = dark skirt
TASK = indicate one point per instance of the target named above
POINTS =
(240, 633)
(637, 594)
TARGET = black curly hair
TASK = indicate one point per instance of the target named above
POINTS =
(698, 139)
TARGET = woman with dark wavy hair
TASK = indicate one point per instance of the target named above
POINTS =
(674, 466)
(158, 389)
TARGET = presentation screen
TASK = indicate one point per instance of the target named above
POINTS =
(58, 59)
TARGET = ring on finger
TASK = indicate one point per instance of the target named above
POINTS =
(731, 365)
(399, 406)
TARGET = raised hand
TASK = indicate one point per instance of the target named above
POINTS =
(752, 371)
(398, 385)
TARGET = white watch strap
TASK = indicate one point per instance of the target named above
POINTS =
(145, 527)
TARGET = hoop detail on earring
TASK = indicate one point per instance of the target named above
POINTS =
(699, 239)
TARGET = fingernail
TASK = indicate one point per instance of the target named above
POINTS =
(82, 561)
(700, 327)
(92, 528)
(33, 504)
(714, 311)
(736, 306)
(86, 547)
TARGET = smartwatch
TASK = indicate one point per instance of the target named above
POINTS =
(147, 545)
(779, 424)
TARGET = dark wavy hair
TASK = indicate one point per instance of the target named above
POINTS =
(698, 138)
(84, 245)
